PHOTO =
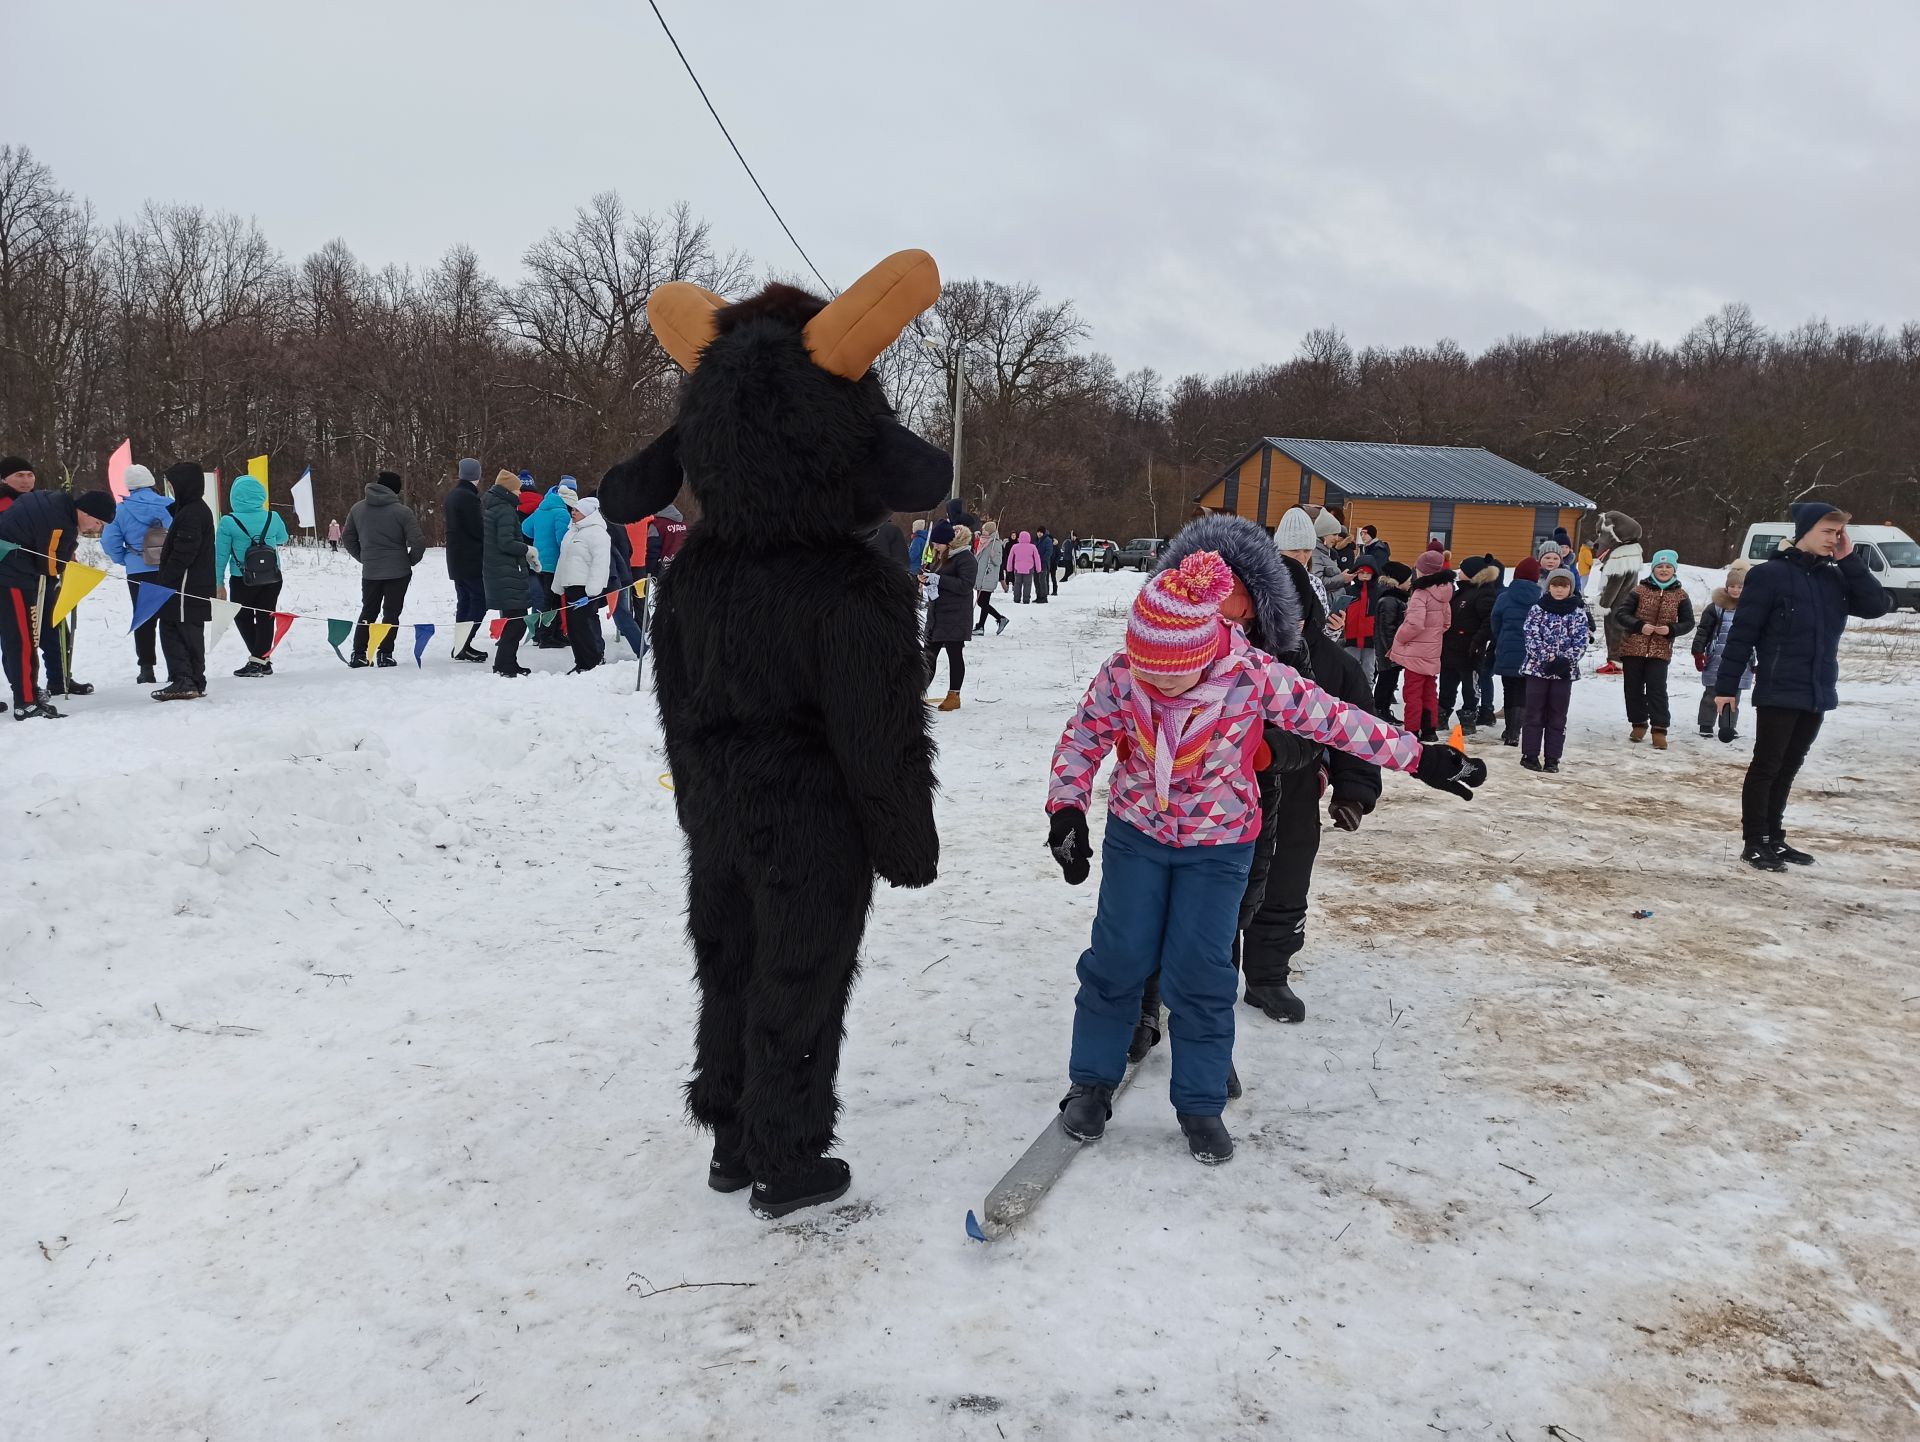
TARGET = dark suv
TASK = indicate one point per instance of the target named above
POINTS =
(1140, 553)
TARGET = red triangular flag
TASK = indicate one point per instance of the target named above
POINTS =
(282, 623)
(496, 626)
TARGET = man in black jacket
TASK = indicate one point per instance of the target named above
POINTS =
(44, 526)
(1791, 616)
(464, 551)
(186, 566)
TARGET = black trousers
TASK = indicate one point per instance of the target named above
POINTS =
(1646, 688)
(506, 651)
(1458, 683)
(1547, 703)
(1040, 579)
(1386, 686)
(255, 626)
(184, 644)
(548, 636)
(469, 600)
(17, 644)
(956, 662)
(583, 628)
(986, 610)
(1782, 737)
(380, 601)
(147, 630)
(1273, 913)
(1513, 691)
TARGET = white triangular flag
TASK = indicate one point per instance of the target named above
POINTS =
(302, 493)
(463, 635)
(223, 614)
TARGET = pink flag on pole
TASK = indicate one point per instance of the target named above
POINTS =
(117, 464)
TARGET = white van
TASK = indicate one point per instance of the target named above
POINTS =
(1890, 552)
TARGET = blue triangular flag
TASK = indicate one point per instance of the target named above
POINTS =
(152, 598)
(422, 633)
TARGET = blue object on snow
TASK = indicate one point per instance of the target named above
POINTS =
(974, 1228)
(1643, 916)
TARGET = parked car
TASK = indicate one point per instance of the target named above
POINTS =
(1890, 553)
(1095, 554)
(1141, 552)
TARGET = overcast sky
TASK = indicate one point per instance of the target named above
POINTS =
(1206, 180)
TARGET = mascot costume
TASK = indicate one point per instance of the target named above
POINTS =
(1620, 538)
(789, 673)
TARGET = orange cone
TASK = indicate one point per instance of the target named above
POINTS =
(1454, 739)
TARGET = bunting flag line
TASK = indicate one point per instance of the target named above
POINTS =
(463, 635)
(282, 623)
(338, 631)
(377, 632)
(7, 548)
(223, 614)
(76, 584)
(496, 626)
(422, 633)
(152, 597)
(117, 464)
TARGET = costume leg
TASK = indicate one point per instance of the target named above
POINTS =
(722, 932)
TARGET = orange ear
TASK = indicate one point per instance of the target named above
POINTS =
(681, 314)
(848, 336)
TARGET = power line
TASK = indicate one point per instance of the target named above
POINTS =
(736, 150)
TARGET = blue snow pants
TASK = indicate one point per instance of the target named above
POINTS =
(1175, 909)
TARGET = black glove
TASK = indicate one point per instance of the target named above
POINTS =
(1445, 769)
(1346, 811)
(1559, 668)
(1067, 840)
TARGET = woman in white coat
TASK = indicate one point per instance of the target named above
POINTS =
(586, 558)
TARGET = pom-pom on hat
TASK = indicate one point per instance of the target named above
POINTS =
(1174, 629)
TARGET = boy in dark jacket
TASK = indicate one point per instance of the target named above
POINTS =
(1648, 620)
(1506, 628)
(1791, 617)
(45, 526)
(464, 563)
(187, 565)
(1389, 610)
(1463, 647)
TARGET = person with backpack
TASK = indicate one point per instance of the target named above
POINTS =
(186, 568)
(384, 536)
(246, 564)
(464, 530)
(133, 540)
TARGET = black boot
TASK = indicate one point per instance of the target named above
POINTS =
(177, 691)
(1530, 763)
(727, 1172)
(1233, 1082)
(1207, 1139)
(1487, 718)
(37, 711)
(824, 1179)
(1760, 856)
(1787, 853)
(1084, 1112)
(146, 677)
(1146, 1036)
(1277, 1001)
(77, 688)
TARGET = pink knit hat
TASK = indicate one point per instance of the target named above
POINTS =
(1174, 629)
(1427, 562)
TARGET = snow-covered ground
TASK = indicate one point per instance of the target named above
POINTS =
(343, 1018)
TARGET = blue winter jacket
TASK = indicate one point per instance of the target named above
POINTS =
(126, 533)
(1509, 626)
(1789, 622)
(546, 527)
(248, 521)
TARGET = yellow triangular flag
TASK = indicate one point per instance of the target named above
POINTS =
(377, 631)
(76, 584)
(257, 468)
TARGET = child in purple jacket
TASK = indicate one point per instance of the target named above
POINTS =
(1184, 705)
(1557, 631)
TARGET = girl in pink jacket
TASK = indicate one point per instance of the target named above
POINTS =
(1183, 706)
(1024, 562)
(1417, 646)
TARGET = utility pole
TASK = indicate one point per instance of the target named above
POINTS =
(959, 409)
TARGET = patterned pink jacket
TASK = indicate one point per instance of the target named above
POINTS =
(1218, 804)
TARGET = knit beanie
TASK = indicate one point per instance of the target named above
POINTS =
(1667, 558)
(1473, 566)
(940, 533)
(1563, 574)
(527, 483)
(98, 504)
(1548, 545)
(10, 464)
(469, 469)
(1806, 514)
(1527, 570)
(1326, 525)
(1434, 545)
(1174, 628)
(391, 480)
(1429, 562)
(1295, 531)
(139, 478)
(506, 481)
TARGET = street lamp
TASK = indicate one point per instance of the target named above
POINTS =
(959, 358)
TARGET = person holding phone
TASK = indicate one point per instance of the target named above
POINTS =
(1790, 621)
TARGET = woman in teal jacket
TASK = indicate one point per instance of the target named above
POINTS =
(546, 527)
(248, 520)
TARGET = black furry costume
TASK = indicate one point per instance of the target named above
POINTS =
(789, 676)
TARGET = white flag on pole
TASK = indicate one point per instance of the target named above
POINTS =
(303, 499)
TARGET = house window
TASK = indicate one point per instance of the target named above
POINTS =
(1440, 522)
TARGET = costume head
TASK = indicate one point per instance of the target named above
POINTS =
(783, 427)
(1617, 529)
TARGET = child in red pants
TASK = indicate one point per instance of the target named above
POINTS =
(1417, 646)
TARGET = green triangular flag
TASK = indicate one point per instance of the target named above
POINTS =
(7, 548)
(545, 618)
(338, 631)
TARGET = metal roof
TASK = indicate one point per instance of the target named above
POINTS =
(1377, 471)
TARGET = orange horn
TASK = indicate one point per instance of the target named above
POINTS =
(847, 337)
(681, 314)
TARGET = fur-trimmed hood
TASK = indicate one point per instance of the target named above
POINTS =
(1445, 576)
(1250, 554)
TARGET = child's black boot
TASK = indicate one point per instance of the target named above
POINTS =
(1207, 1139)
(1085, 1110)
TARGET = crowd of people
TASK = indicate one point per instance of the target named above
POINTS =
(517, 551)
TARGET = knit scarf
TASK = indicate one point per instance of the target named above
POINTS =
(1172, 732)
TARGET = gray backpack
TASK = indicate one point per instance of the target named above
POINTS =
(152, 544)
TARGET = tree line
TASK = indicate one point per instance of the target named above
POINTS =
(190, 333)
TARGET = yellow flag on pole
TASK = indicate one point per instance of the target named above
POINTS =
(76, 584)
(257, 468)
(377, 631)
